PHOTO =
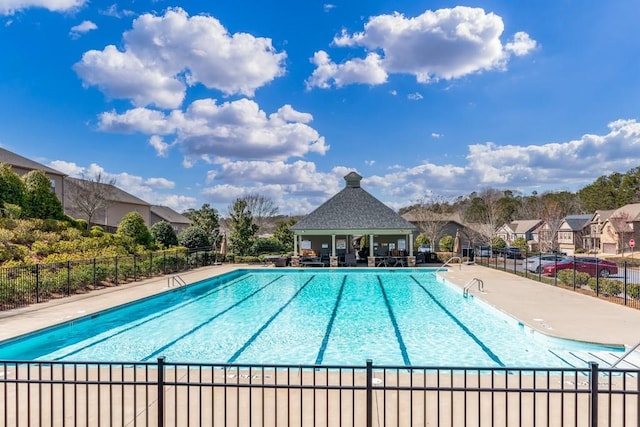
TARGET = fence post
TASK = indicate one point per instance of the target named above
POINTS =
(37, 283)
(95, 282)
(161, 391)
(369, 393)
(116, 270)
(593, 387)
(68, 278)
(150, 264)
(164, 262)
(135, 268)
(625, 283)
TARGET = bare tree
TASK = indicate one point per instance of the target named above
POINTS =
(429, 221)
(89, 195)
(262, 208)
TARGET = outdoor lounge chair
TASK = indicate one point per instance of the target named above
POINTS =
(349, 260)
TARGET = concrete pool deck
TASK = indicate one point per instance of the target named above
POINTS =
(547, 309)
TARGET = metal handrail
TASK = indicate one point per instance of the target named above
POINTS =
(448, 261)
(470, 283)
(624, 356)
(172, 280)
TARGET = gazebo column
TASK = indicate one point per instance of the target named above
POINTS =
(295, 259)
(411, 259)
(371, 260)
(333, 259)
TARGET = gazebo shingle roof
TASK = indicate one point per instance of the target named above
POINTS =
(353, 209)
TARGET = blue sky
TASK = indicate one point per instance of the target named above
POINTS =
(186, 103)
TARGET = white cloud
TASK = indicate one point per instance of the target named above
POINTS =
(9, 7)
(442, 44)
(114, 12)
(521, 45)
(436, 135)
(148, 189)
(82, 28)
(161, 147)
(327, 72)
(415, 96)
(328, 7)
(237, 129)
(163, 55)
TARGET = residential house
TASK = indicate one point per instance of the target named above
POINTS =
(118, 204)
(164, 213)
(592, 241)
(21, 166)
(622, 225)
(572, 232)
(525, 228)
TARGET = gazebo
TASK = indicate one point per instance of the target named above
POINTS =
(351, 214)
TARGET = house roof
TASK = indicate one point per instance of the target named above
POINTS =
(14, 159)
(631, 212)
(414, 215)
(601, 215)
(353, 209)
(577, 222)
(169, 215)
(524, 226)
(113, 193)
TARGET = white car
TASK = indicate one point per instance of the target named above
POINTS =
(424, 248)
(536, 263)
(483, 252)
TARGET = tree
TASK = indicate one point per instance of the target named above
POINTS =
(261, 208)
(429, 220)
(90, 195)
(12, 189)
(193, 237)
(133, 228)
(446, 244)
(163, 233)
(284, 234)
(486, 209)
(243, 230)
(208, 220)
(40, 200)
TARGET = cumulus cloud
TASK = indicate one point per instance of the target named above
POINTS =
(553, 166)
(521, 44)
(148, 189)
(164, 55)
(442, 44)
(77, 30)
(9, 7)
(207, 130)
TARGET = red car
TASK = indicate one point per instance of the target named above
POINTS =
(591, 265)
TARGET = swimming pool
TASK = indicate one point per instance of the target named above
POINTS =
(329, 317)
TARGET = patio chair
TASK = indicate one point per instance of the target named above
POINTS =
(349, 260)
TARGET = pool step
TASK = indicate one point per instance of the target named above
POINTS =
(605, 359)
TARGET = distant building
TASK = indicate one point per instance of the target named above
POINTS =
(164, 213)
(21, 166)
(572, 232)
(119, 203)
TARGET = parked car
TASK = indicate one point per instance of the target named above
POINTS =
(483, 252)
(536, 263)
(591, 265)
(424, 248)
(509, 252)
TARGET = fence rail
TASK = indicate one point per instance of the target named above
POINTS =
(174, 394)
(25, 285)
(621, 287)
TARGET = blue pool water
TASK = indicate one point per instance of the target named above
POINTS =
(395, 317)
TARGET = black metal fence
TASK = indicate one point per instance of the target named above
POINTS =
(173, 394)
(618, 283)
(25, 285)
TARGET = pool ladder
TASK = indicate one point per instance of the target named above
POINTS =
(469, 285)
(175, 280)
(446, 264)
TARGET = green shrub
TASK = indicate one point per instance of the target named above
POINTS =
(606, 286)
(633, 291)
(565, 277)
(266, 245)
(193, 238)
